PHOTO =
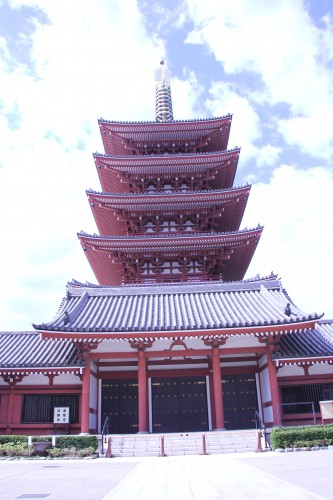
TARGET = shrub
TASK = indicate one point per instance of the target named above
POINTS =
(77, 442)
(41, 439)
(56, 452)
(16, 450)
(311, 435)
(23, 451)
(14, 439)
(86, 452)
(10, 449)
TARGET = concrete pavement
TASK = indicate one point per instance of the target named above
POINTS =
(296, 476)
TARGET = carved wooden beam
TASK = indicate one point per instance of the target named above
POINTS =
(141, 345)
(215, 343)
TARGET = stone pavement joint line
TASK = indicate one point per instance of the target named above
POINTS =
(199, 478)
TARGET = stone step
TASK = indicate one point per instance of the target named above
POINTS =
(184, 444)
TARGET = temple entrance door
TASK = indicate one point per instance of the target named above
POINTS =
(120, 403)
(179, 404)
(240, 401)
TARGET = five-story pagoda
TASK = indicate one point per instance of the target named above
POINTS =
(168, 212)
(173, 338)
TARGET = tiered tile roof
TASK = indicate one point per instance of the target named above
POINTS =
(242, 308)
(112, 211)
(27, 350)
(309, 343)
(121, 137)
(235, 249)
(113, 171)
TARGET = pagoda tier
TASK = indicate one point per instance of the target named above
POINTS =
(121, 214)
(170, 258)
(142, 138)
(177, 172)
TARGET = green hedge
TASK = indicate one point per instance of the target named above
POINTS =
(311, 435)
(77, 442)
(13, 439)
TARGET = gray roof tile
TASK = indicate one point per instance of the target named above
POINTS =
(27, 349)
(205, 306)
(308, 343)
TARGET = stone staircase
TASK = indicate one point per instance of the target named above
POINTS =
(194, 443)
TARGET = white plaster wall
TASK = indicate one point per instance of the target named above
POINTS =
(290, 370)
(190, 343)
(150, 406)
(117, 368)
(99, 411)
(262, 360)
(113, 346)
(321, 369)
(35, 379)
(93, 367)
(175, 367)
(195, 344)
(119, 360)
(67, 379)
(268, 414)
(224, 364)
(92, 421)
(246, 341)
(93, 402)
(265, 386)
(259, 394)
(158, 345)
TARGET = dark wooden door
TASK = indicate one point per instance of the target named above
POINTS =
(179, 404)
(120, 403)
(240, 401)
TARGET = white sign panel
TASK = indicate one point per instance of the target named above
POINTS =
(61, 415)
(326, 409)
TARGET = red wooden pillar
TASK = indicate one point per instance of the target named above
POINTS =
(273, 382)
(10, 408)
(11, 399)
(218, 399)
(142, 392)
(85, 396)
(211, 397)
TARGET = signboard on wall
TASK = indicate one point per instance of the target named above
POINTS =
(326, 410)
(61, 415)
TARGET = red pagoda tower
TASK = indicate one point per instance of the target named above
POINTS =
(172, 338)
(168, 212)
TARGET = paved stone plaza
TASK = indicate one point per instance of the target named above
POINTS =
(296, 476)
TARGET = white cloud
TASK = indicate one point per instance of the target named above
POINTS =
(296, 209)
(268, 155)
(246, 127)
(289, 55)
(185, 96)
(89, 61)
(96, 59)
(312, 134)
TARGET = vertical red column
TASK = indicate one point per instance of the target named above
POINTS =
(85, 396)
(218, 399)
(142, 392)
(273, 382)
(10, 408)
(211, 397)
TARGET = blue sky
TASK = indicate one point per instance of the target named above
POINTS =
(65, 64)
